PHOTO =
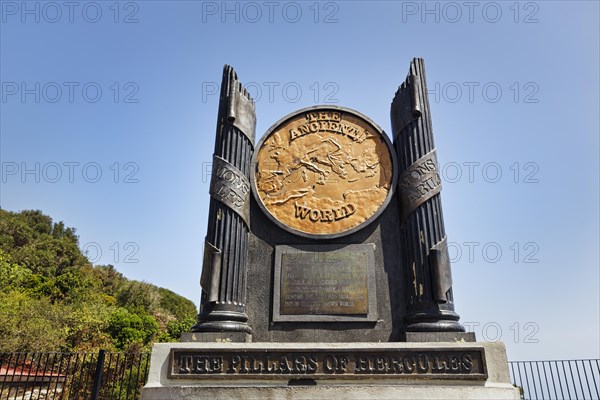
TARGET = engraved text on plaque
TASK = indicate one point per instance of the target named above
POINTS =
(324, 282)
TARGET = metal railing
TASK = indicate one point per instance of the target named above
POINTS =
(557, 379)
(77, 376)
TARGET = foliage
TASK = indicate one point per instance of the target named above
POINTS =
(53, 299)
(141, 296)
(30, 324)
(130, 329)
(175, 328)
(176, 305)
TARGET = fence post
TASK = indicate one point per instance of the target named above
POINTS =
(98, 375)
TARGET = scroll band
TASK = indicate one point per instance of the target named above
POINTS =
(418, 183)
(231, 187)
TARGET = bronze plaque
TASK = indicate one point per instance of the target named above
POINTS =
(324, 283)
(324, 172)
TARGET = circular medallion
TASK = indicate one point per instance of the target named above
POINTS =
(323, 172)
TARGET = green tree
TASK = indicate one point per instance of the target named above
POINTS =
(12, 275)
(53, 299)
(136, 295)
(30, 324)
(130, 330)
(174, 304)
(175, 328)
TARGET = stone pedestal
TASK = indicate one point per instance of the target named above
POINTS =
(216, 337)
(189, 371)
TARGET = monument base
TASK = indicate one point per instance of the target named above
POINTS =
(439, 336)
(462, 370)
(216, 337)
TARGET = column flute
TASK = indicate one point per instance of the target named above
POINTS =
(223, 280)
(430, 305)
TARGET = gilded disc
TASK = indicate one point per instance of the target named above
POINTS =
(324, 172)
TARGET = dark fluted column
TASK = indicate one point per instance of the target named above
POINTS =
(223, 281)
(430, 306)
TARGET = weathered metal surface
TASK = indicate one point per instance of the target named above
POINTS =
(324, 172)
(440, 267)
(361, 363)
(336, 285)
(324, 283)
(429, 281)
(211, 271)
(241, 111)
(223, 301)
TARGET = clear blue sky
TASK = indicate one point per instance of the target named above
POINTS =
(111, 107)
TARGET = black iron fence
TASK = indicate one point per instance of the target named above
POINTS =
(560, 379)
(120, 376)
(72, 376)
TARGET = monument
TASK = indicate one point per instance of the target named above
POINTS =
(326, 268)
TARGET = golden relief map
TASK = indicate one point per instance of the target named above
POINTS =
(323, 172)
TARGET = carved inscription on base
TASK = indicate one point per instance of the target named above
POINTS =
(411, 363)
